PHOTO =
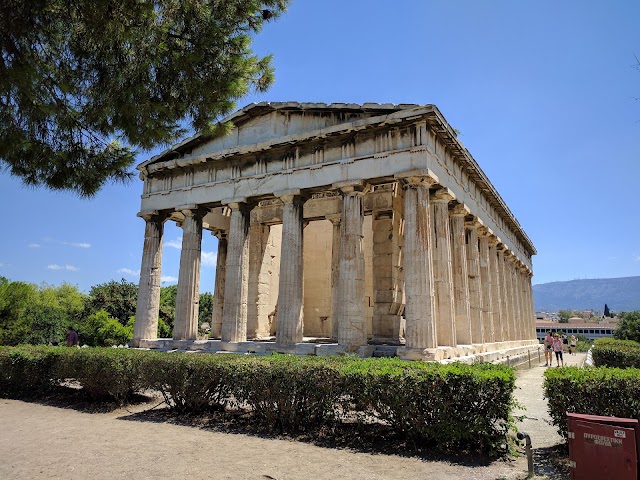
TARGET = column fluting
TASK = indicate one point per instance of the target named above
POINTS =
(234, 315)
(291, 282)
(148, 304)
(352, 328)
(188, 295)
(442, 269)
(218, 289)
(418, 265)
(460, 274)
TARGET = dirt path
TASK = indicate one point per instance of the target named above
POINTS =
(40, 441)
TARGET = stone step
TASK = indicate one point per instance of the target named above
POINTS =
(385, 351)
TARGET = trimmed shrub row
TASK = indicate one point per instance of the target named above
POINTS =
(594, 391)
(609, 352)
(443, 406)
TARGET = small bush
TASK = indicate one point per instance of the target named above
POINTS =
(608, 352)
(104, 373)
(287, 393)
(594, 391)
(189, 382)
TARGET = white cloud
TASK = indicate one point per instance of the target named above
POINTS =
(71, 268)
(129, 271)
(177, 243)
(209, 259)
(34, 245)
(168, 279)
(78, 244)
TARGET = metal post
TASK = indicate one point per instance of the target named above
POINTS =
(525, 436)
(529, 354)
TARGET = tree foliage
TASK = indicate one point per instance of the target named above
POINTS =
(32, 314)
(629, 326)
(41, 314)
(565, 315)
(118, 299)
(84, 84)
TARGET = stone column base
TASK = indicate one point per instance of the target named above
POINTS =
(386, 341)
(422, 354)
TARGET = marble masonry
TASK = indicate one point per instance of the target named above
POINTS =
(340, 228)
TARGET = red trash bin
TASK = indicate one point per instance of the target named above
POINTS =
(603, 447)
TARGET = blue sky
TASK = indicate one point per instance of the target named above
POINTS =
(543, 92)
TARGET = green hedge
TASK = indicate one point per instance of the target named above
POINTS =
(439, 406)
(609, 352)
(452, 406)
(594, 391)
(27, 372)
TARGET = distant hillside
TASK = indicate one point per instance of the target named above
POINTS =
(621, 294)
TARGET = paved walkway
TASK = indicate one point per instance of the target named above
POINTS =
(537, 422)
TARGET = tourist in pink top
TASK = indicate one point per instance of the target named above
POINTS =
(557, 348)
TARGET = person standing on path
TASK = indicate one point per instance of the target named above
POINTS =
(572, 345)
(557, 348)
(548, 345)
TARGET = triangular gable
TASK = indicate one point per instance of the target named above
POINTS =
(264, 121)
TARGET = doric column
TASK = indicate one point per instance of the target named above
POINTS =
(494, 280)
(290, 291)
(188, 295)
(505, 306)
(335, 275)
(234, 317)
(218, 290)
(257, 284)
(527, 314)
(532, 308)
(460, 274)
(148, 306)
(387, 276)
(485, 285)
(475, 291)
(442, 268)
(521, 308)
(418, 265)
(513, 296)
(352, 328)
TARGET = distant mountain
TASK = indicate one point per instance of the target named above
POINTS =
(621, 294)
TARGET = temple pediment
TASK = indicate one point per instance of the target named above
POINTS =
(262, 122)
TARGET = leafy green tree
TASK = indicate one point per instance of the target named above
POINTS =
(84, 84)
(205, 309)
(168, 304)
(55, 309)
(118, 299)
(629, 326)
(565, 315)
(168, 308)
(31, 314)
(101, 330)
(15, 300)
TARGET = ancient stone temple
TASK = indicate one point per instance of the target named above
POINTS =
(340, 227)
